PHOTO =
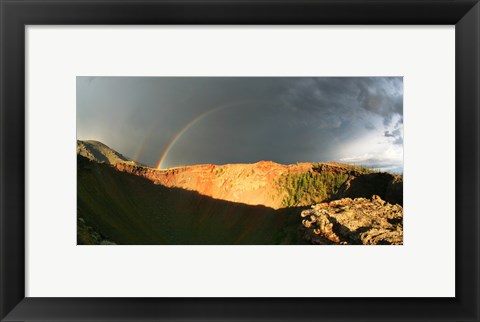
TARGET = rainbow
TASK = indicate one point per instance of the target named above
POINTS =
(192, 123)
(141, 147)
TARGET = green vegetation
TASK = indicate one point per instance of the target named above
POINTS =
(302, 189)
(363, 169)
(358, 168)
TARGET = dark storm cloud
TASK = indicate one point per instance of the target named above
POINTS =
(241, 119)
(382, 96)
(345, 97)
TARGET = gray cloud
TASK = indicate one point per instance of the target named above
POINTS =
(382, 96)
(396, 134)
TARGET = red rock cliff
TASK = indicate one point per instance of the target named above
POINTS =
(253, 184)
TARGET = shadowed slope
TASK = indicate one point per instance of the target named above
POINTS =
(386, 185)
(127, 209)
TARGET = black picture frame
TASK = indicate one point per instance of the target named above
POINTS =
(16, 14)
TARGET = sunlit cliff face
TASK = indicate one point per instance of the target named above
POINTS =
(171, 121)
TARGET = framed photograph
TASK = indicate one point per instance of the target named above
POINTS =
(239, 160)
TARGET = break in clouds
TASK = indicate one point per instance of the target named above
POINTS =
(192, 120)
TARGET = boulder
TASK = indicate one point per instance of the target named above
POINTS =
(358, 221)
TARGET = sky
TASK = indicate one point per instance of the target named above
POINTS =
(174, 121)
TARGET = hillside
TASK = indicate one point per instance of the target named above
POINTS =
(121, 202)
(126, 209)
(99, 152)
(271, 184)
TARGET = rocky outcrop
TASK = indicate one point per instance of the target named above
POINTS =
(354, 222)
